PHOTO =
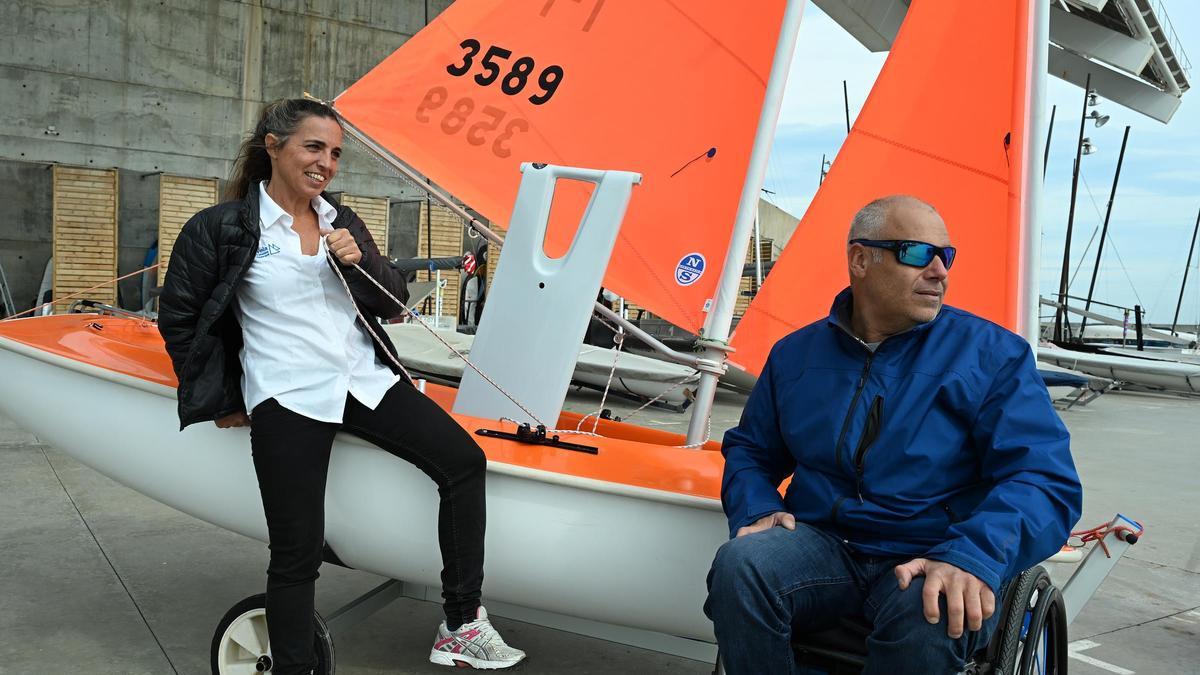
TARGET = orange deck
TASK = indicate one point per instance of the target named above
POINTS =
(629, 454)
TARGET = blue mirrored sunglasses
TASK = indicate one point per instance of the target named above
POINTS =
(912, 253)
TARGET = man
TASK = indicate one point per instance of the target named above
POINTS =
(927, 467)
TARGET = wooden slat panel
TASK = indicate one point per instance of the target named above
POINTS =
(179, 198)
(85, 233)
(374, 213)
(446, 235)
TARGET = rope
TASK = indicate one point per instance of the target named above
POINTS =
(447, 345)
(619, 339)
(79, 293)
(410, 312)
(1099, 533)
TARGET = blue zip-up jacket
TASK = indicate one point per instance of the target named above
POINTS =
(942, 444)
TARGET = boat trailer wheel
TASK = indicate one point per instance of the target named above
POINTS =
(240, 643)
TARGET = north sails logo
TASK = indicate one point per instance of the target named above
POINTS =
(266, 250)
(690, 269)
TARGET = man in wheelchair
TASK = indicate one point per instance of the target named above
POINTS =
(928, 468)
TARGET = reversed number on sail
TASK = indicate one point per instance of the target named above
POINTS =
(513, 80)
(487, 124)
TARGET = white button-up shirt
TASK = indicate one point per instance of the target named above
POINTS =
(303, 346)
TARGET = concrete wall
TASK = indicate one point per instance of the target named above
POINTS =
(25, 191)
(137, 228)
(170, 86)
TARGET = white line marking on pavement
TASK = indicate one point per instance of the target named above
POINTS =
(1077, 646)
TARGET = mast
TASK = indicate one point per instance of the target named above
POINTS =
(1028, 322)
(715, 334)
(846, 105)
(1049, 135)
(1059, 315)
(1183, 286)
(1104, 230)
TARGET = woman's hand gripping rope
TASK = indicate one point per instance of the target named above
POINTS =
(342, 245)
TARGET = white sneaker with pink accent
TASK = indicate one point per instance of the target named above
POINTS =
(476, 644)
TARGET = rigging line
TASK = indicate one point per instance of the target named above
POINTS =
(410, 312)
(1112, 243)
(710, 153)
(337, 268)
(108, 560)
(619, 339)
(79, 293)
(1083, 256)
(648, 403)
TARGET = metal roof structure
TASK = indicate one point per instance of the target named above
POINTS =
(1128, 46)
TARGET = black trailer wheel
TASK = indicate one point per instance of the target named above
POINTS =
(240, 644)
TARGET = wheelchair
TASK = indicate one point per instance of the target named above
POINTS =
(1030, 638)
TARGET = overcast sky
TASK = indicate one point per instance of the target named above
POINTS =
(1157, 199)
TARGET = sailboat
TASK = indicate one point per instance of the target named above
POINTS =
(620, 526)
(626, 525)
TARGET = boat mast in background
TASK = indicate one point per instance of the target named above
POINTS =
(1183, 286)
(715, 333)
(1112, 195)
(1063, 282)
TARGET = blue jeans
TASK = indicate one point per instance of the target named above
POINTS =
(765, 586)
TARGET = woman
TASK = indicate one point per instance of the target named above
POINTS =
(256, 320)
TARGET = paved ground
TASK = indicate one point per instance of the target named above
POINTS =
(95, 578)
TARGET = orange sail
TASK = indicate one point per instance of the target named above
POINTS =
(670, 89)
(946, 122)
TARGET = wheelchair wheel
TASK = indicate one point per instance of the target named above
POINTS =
(240, 643)
(1032, 638)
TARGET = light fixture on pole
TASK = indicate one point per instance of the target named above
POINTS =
(1101, 120)
(1082, 147)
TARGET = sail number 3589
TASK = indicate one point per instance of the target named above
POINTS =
(514, 80)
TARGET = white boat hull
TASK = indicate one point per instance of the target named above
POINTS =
(574, 546)
(1154, 374)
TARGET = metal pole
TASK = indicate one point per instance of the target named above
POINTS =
(1031, 252)
(757, 255)
(1137, 325)
(1062, 282)
(1182, 286)
(846, 105)
(1049, 135)
(821, 179)
(1104, 230)
(715, 334)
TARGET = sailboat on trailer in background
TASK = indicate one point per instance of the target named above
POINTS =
(462, 102)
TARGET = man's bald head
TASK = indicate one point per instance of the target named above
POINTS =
(870, 220)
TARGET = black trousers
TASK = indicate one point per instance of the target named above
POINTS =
(291, 458)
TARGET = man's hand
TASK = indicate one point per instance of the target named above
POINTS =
(778, 519)
(342, 244)
(237, 419)
(965, 593)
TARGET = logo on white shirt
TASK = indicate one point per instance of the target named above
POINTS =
(266, 250)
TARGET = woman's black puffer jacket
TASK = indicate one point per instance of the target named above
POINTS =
(196, 317)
